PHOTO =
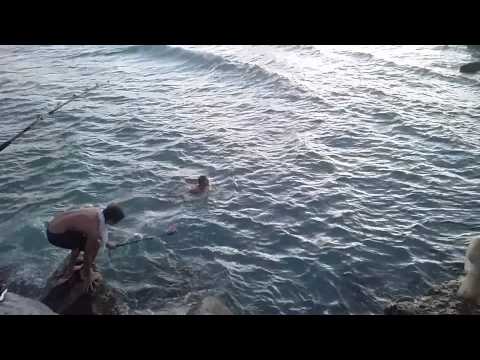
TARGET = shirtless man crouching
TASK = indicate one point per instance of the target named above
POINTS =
(83, 230)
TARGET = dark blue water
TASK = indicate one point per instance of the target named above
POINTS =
(342, 175)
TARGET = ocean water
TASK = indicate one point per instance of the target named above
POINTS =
(342, 175)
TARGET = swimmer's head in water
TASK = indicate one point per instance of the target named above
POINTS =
(113, 214)
(203, 181)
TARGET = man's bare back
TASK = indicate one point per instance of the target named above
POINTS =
(84, 220)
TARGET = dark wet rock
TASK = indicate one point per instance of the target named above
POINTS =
(474, 47)
(210, 306)
(169, 310)
(66, 297)
(470, 68)
(14, 304)
(440, 300)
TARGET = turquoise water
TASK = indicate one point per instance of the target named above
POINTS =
(342, 175)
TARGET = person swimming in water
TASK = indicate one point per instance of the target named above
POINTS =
(203, 185)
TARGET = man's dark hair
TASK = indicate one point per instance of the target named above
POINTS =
(113, 213)
(202, 180)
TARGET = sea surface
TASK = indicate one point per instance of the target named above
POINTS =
(342, 176)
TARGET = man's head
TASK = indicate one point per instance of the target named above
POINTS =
(203, 181)
(113, 214)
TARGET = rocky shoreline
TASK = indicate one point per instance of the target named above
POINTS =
(439, 300)
(455, 297)
(66, 297)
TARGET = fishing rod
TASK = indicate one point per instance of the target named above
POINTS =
(172, 229)
(41, 117)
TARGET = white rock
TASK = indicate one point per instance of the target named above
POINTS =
(470, 286)
(14, 304)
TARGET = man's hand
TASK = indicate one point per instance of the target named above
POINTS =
(87, 282)
(91, 281)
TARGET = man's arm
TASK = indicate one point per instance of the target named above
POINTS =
(71, 263)
(91, 250)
